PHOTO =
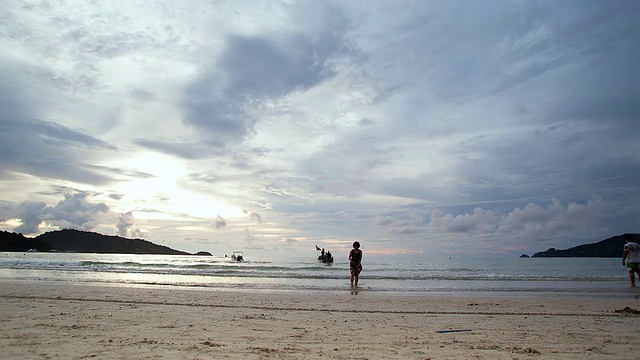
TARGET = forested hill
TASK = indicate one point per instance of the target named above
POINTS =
(611, 247)
(82, 242)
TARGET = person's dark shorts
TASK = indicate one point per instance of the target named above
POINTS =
(633, 267)
(355, 268)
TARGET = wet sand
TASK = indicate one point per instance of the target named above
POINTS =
(59, 321)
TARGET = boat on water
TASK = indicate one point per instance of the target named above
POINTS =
(325, 257)
(237, 256)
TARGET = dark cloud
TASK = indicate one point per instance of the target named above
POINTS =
(251, 70)
(74, 211)
(62, 190)
(8, 210)
(42, 148)
(219, 222)
(130, 173)
(256, 67)
(77, 210)
(186, 150)
(30, 214)
(57, 135)
(116, 196)
(257, 217)
(59, 168)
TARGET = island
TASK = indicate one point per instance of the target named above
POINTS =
(69, 240)
(608, 248)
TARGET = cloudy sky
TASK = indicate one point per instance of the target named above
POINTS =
(428, 127)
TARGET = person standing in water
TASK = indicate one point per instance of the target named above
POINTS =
(632, 255)
(355, 263)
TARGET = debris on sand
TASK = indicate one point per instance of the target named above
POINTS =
(628, 310)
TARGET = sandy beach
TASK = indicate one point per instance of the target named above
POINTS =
(53, 321)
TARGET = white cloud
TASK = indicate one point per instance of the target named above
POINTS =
(480, 221)
(125, 221)
(532, 222)
(402, 124)
(74, 211)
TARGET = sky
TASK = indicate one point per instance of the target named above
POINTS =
(422, 128)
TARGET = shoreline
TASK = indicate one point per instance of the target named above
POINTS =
(48, 320)
(583, 290)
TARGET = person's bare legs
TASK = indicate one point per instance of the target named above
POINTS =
(356, 280)
(351, 279)
(632, 278)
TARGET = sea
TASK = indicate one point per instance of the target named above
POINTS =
(472, 276)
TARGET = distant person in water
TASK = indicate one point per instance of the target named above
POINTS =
(355, 263)
(632, 255)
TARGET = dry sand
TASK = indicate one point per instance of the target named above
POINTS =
(52, 321)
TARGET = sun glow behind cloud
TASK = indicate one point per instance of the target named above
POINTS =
(163, 192)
